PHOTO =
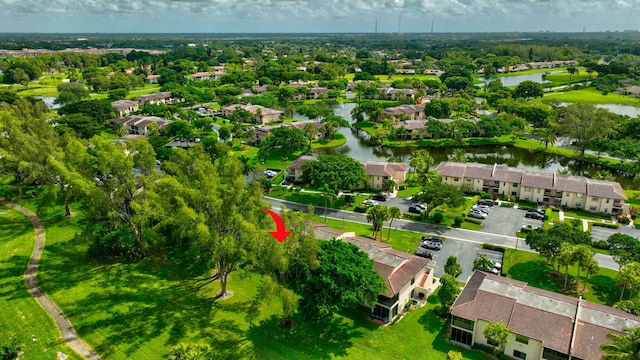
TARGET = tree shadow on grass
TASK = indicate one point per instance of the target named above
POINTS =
(535, 273)
(316, 340)
(606, 289)
(11, 278)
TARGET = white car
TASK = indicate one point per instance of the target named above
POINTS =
(370, 202)
(477, 214)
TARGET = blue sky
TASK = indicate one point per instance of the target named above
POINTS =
(223, 16)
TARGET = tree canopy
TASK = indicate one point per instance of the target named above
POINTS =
(338, 171)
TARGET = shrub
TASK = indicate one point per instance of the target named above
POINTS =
(507, 204)
(623, 219)
(607, 225)
(360, 209)
(473, 221)
(485, 195)
(493, 247)
(526, 230)
(458, 220)
(600, 244)
(438, 217)
(411, 216)
(467, 188)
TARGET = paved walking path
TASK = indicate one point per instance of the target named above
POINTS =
(69, 334)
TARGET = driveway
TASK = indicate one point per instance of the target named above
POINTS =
(506, 221)
(602, 233)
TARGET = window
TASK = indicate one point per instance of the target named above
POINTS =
(522, 339)
(578, 195)
(463, 323)
(553, 355)
(455, 179)
(594, 198)
(413, 281)
(515, 184)
(468, 179)
(593, 208)
(526, 198)
(513, 193)
(446, 178)
(578, 205)
(607, 201)
(519, 354)
(527, 188)
(539, 191)
(461, 336)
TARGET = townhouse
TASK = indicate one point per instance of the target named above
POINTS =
(260, 114)
(139, 125)
(552, 189)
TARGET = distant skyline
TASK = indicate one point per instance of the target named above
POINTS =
(316, 16)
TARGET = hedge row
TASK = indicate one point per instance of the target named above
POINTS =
(607, 225)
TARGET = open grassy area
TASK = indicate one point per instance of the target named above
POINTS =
(581, 214)
(532, 269)
(590, 95)
(322, 144)
(633, 197)
(22, 318)
(409, 191)
(563, 78)
(394, 77)
(142, 310)
(314, 198)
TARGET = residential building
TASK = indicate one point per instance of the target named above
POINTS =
(125, 107)
(552, 189)
(544, 324)
(406, 276)
(151, 79)
(380, 171)
(139, 125)
(414, 112)
(260, 114)
(163, 97)
(263, 131)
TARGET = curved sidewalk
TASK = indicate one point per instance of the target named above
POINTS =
(69, 334)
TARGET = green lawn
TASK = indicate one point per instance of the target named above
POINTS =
(409, 191)
(142, 310)
(579, 214)
(21, 318)
(391, 78)
(563, 78)
(633, 197)
(323, 144)
(313, 198)
(590, 95)
(532, 269)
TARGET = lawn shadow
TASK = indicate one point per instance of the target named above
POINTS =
(606, 288)
(535, 273)
(12, 279)
(323, 339)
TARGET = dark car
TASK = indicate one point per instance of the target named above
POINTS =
(420, 206)
(539, 211)
(415, 209)
(379, 197)
(487, 202)
(422, 252)
(535, 215)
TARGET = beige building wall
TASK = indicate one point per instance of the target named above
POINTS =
(533, 348)
(532, 193)
(507, 188)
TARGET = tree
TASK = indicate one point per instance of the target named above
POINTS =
(394, 213)
(435, 194)
(585, 123)
(458, 155)
(497, 334)
(389, 185)
(344, 278)
(452, 267)
(288, 139)
(80, 125)
(528, 90)
(329, 196)
(10, 351)
(547, 242)
(629, 277)
(74, 92)
(624, 249)
(623, 347)
(583, 256)
(338, 171)
(377, 215)
(449, 290)
(483, 263)
(454, 355)
(566, 259)
(546, 136)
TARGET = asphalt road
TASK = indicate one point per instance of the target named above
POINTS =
(465, 244)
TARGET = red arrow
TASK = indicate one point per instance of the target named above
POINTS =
(281, 233)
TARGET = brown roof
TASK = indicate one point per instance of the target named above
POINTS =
(506, 174)
(410, 124)
(155, 96)
(375, 168)
(297, 163)
(571, 183)
(124, 104)
(537, 180)
(603, 188)
(542, 315)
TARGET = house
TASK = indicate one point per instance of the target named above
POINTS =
(263, 131)
(544, 324)
(294, 170)
(139, 125)
(416, 129)
(201, 76)
(159, 98)
(598, 196)
(631, 90)
(380, 171)
(260, 114)
(414, 112)
(151, 79)
(317, 92)
(406, 276)
(125, 107)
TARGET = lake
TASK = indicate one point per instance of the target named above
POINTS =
(619, 109)
(359, 147)
(516, 79)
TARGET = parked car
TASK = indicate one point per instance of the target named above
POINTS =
(422, 252)
(539, 211)
(477, 214)
(487, 202)
(415, 209)
(534, 215)
(532, 227)
(433, 238)
(481, 209)
(420, 206)
(429, 244)
(370, 202)
(379, 197)
(270, 173)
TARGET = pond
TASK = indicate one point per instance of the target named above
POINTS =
(360, 148)
(619, 109)
(49, 101)
(516, 79)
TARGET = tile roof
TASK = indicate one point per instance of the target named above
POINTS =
(411, 124)
(603, 188)
(297, 163)
(374, 168)
(542, 315)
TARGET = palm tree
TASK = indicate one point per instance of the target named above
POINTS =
(583, 255)
(591, 267)
(546, 136)
(483, 263)
(458, 155)
(566, 259)
(394, 213)
(623, 347)
(329, 195)
(377, 215)
(311, 132)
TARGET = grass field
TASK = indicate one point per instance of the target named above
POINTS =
(394, 77)
(142, 310)
(532, 269)
(22, 319)
(563, 78)
(590, 95)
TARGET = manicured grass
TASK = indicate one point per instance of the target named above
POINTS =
(564, 78)
(142, 310)
(526, 72)
(22, 319)
(323, 144)
(409, 191)
(391, 78)
(633, 197)
(586, 215)
(532, 269)
(148, 89)
(451, 213)
(591, 95)
(313, 198)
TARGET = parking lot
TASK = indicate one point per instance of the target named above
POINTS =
(507, 221)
